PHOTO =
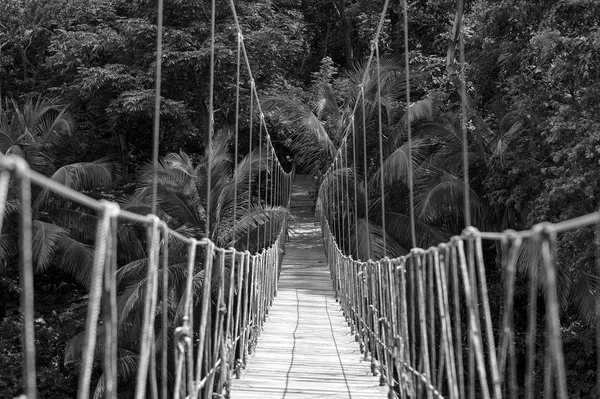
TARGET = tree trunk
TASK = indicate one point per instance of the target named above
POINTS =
(341, 7)
(450, 56)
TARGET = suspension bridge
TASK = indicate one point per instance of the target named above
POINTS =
(300, 317)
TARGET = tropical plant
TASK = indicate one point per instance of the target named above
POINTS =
(236, 219)
(62, 230)
(317, 129)
(37, 132)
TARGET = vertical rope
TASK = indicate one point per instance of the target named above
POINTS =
(26, 284)
(413, 234)
(355, 189)
(250, 125)
(348, 213)
(95, 296)
(365, 166)
(110, 314)
(547, 238)
(158, 82)
(165, 309)
(149, 310)
(211, 121)
(463, 126)
(260, 169)
(209, 251)
(237, 130)
(272, 173)
(381, 175)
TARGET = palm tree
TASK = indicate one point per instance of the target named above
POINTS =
(62, 231)
(236, 219)
(318, 129)
(36, 132)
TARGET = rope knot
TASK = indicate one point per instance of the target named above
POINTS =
(182, 335)
(417, 251)
(511, 237)
(455, 240)
(111, 209)
(471, 232)
(543, 231)
(16, 164)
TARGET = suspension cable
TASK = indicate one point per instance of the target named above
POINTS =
(413, 234)
(365, 168)
(381, 180)
(463, 127)
(158, 82)
(237, 130)
(211, 89)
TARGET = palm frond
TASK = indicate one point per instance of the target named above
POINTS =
(422, 110)
(76, 260)
(439, 196)
(398, 226)
(126, 370)
(370, 242)
(251, 221)
(8, 246)
(306, 127)
(45, 243)
(396, 166)
(327, 101)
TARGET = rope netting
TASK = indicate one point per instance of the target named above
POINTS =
(424, 319)
(196, 330)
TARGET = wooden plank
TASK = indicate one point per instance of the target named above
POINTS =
(306, 349)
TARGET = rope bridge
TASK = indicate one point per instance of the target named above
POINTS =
(423, 320)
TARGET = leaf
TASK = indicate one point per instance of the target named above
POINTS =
(398, 225)
(439, 197)
(370, 242)
(45, 243)
(126, 371)
(76, 260)
(396, 166)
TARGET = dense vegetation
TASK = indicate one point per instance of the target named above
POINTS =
(76, 94)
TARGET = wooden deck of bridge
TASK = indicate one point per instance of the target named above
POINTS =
(306, 349)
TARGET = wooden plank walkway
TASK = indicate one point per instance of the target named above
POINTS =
(306, 349)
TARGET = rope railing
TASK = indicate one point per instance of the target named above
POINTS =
(189, 346)
(425, 320)
(231, 310)
(425, 323)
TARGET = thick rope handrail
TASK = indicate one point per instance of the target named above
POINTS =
(104, 267)
(471, 269)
